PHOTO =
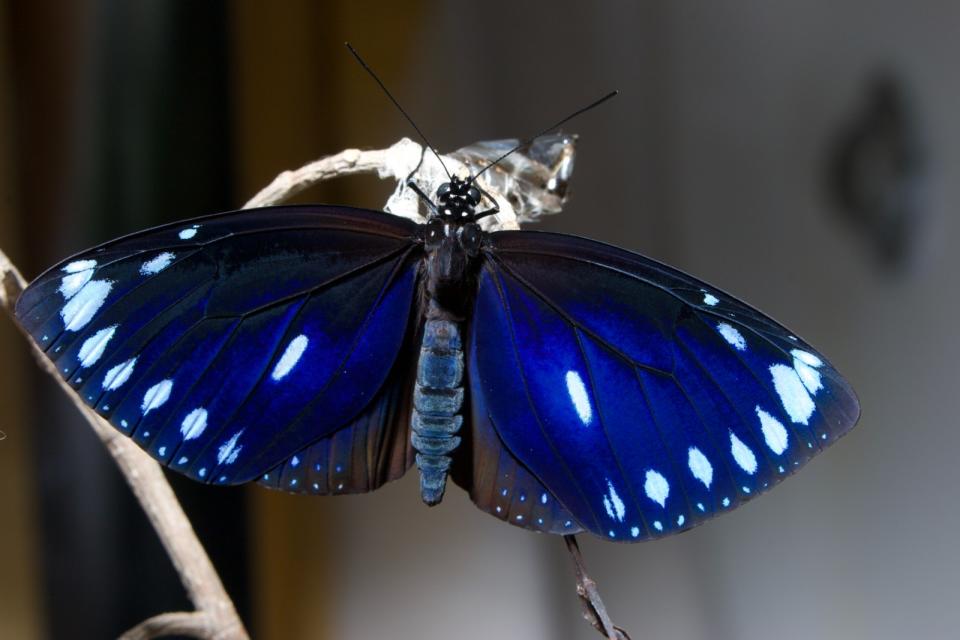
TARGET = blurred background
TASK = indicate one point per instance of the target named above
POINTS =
(804, 156)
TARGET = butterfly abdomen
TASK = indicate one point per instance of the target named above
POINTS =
(437, 399)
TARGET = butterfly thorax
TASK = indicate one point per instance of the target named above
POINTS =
(452, 240)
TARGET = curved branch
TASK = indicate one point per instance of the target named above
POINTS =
(387, 163)
(184, 623)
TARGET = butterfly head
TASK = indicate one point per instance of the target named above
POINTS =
(457, 199)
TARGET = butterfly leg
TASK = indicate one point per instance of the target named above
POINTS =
(492, 211)
(437, 399)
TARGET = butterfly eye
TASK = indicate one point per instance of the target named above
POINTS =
(434, 231)
(443, 192)
(470, 236)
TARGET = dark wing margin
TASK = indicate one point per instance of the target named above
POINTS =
(226, 344)
(644, 400)
(497, 483)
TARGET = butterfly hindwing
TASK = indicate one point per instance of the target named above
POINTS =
(226, 344)
(497, 483)
(362, 456)
(645, 400)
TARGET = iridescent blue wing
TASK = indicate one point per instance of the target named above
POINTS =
(362, 456)
(642, 399)
(496, 481)
(227, 345)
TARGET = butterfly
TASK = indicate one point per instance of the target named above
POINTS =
(567, 385)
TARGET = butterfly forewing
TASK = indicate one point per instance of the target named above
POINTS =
(645, 400)
(227, 344)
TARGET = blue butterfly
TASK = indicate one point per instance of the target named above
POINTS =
(567, 385)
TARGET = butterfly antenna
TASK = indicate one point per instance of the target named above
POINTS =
(397, 105)
(595, 103)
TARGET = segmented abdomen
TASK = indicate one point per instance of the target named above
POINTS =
(437, 399)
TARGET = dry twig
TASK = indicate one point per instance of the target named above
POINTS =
(594, 611)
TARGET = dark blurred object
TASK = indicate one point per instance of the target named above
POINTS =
(878, 172)
(122, 119)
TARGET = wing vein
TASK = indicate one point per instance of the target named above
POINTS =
(389, 282)
(513, 341)
(566, 317)
(606, 434)
(663, 442)
(776, 402)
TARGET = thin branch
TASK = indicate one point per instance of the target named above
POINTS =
(184, 623)
(594, 611)
(394, 162)
(156, 498)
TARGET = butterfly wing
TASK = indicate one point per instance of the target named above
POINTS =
(225, 345)
(372, 450)
(644, 400)
(496, 481)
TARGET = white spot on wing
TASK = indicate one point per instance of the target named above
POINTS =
(613, 504)
(773, 432)
(228, 452)
(700, 466)
(78, 273)
(189, 232)
(156, 396)
(710, 299)
(793, 393)
(94, 346)
(809, 376)
(290, 357)
(157, 264)
(578, 395)
(118, 375)
(731, 335)
(79, 265)
(194, 424)
(83, 305)
(742, 454)
(656, 487)
(806, 358)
